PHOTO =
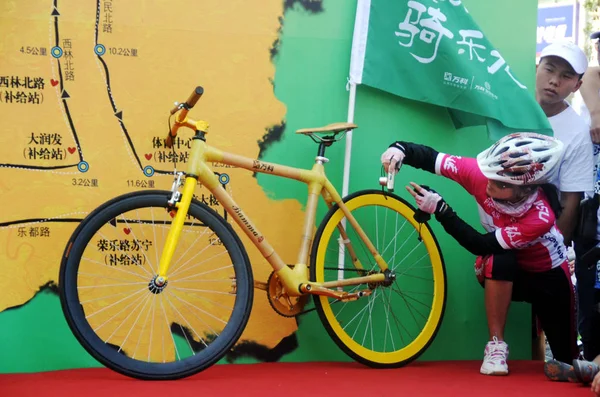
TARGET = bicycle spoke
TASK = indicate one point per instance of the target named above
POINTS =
(110, 285)
(212, 330)
(406, 241)
(394, 240)
(152, 329)
(182, 267)
(109, 320)
(387, 309)
(88, 316)
(399, 325)
(137, 345)
(205, 273)
(154, 269)
(410, 307)
(168, 324)
(175, 269)
(135, 322)
(412, 266)
(135, 238)
(112, 267)
(183, 331)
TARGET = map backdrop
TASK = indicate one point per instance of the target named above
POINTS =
(85, 89)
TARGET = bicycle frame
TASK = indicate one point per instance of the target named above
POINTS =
(295, 279)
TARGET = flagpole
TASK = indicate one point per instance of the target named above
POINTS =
(357, 59)
(348, 152)
(359, 41)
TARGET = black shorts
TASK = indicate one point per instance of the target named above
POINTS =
(550, 293)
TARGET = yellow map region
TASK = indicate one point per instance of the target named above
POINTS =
(85, 90)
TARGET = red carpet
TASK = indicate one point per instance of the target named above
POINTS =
(448, 378)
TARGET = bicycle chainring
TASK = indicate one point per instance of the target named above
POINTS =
(281, 302)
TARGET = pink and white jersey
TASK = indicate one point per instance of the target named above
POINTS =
(535, 235)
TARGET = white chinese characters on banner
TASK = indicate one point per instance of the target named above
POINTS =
(431, 31)
(432, 28)
(471, 34)
(498, 64)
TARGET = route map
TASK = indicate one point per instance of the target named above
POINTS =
(85, 92)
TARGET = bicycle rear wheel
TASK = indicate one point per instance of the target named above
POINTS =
(396, 321)
(128, 323)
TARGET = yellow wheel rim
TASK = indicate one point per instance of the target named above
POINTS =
(426, 334)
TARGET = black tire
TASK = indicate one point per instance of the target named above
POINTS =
(395, 321)
(113, 245)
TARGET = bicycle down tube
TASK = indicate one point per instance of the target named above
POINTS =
(295, 280)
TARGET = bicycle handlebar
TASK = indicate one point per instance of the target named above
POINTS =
(191, 101)
(182, 116)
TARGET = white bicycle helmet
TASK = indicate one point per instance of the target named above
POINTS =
(523, 158)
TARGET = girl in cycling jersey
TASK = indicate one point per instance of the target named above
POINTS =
(522, 256)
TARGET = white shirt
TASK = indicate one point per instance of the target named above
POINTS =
(575, 173)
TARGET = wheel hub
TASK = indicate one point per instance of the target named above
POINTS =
(157, 284)
(390, 277)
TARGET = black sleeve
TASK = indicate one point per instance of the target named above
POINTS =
(473, 241)
(418, 156)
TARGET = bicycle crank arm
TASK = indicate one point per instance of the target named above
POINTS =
(341, 295)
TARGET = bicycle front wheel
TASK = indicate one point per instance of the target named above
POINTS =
(396, 320)
(136, 326)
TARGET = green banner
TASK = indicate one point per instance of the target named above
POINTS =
(433, 51)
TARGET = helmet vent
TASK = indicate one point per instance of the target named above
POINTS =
(522, 143)
(504, 149)
(516, 155)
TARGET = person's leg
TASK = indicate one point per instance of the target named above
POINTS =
(497, 301)
(554, 369)
(585, 296)
(496, 273)
(594, 341)
(586, 370)
(553, 299)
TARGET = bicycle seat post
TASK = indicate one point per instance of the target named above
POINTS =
(325, 142)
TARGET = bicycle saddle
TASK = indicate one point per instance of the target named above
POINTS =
(334, 128)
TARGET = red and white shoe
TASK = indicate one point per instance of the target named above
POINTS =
(495, 358)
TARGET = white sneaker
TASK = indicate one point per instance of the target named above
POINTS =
(494, 360)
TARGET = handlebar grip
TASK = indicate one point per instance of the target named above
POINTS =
(191, 101)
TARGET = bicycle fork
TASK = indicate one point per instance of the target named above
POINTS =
(181, 203)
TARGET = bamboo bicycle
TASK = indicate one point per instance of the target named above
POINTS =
(157, 285)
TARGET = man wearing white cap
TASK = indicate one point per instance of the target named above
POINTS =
(558, 75)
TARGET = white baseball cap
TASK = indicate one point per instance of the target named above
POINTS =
(569, 52)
